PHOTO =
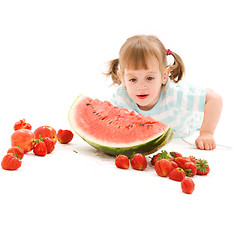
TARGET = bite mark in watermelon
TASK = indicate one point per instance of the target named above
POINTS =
(115, 130)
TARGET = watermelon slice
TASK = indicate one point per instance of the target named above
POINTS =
(116, 130)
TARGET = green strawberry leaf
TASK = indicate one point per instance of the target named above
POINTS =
(163, 154)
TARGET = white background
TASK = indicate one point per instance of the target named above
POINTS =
(50, 52)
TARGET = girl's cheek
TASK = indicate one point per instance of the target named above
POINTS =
(131, 93)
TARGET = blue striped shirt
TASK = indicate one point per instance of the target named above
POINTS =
(181, 106)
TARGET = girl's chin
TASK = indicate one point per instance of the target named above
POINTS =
(145, 107)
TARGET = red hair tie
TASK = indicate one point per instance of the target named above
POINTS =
(169, 52)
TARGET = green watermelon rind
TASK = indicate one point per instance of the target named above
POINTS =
(144, 148)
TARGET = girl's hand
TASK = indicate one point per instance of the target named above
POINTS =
(205, 141)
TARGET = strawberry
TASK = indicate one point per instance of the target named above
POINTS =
(187, 185)
(181, 161)
(122, 161)
(10, 162)
(64, 136)
(158, 156)
(193, 159)
(40, 149)
(177, 174)
(17, 152)
(138, 161)
(163, 167)
(174, 164)
(175, 154)
(190, 169)
(49, 144)
(154, 159)
(202, 167)
(22, 125)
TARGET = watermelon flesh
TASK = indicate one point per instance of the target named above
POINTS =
(115, 130)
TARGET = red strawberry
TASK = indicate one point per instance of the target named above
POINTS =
(22, 125)
(190, 169)
(181, 161)
(175, 154)
(158, 156)
(122, 161)
(177, 174)
(64, 136)
(174, 164)
(154, 159)
(17, 152)
(202, 167)
(187, 185)
(49, 144)
(40, 149)
(193, 159)
(163, 167)
(10, 162)
(138, 161)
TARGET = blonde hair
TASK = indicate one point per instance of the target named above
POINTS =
(135, 52)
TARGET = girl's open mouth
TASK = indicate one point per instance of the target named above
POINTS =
(143, 96)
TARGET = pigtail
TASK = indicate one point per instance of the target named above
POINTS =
(112, 71)
(177, 68)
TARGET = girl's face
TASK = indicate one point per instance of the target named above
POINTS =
(144, 86)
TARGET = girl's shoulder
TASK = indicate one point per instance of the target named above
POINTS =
(184, 87)
(184, 96)
(121, 98)
(121, 91)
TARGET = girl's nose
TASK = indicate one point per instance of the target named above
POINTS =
(142, 87)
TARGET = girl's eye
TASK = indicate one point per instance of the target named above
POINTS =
(150, 78)
(133, 80)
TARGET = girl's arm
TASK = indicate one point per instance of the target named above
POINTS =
(212, 111)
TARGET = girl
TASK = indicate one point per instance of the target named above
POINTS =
(150, 87)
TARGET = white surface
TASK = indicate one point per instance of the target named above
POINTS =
(50, 52)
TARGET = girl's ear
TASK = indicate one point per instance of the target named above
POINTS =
(166, 75)
(121, 78)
